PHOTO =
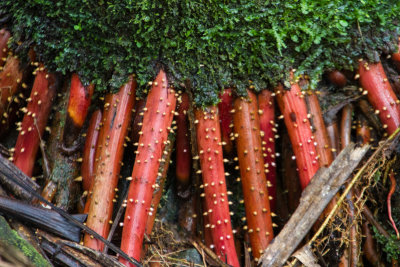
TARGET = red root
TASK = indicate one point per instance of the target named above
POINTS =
(183, 155)
(225, 117)
(157, 194)
(345, 138)
(78, 106)
(137, 119)
(256, 200)
(396, 58)
(363, 132)
(89, 151)
(157, 120)
(334, 140)
(380, 94)
(4, 36)
(320, 132)
(216, 196)
(34, 121)
(337, 78)
(10, 83)
(294, 110)
(345, 126)
(369, 248)
(268, 134)
(116, 118)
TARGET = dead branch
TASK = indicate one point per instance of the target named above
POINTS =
(10, 173)
(324, 185)
(41, 217)
(73, 254)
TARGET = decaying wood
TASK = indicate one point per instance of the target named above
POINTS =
(13, 176)
(25, 232)
(43, 218)
(64, 167)
(272, 256)
(306, 256)
(73, 254)
(15, 244)
(10, 173)
(12, 257)
(324, 185)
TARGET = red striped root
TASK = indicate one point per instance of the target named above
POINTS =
(380, 94)
(4, 36)
(252, 171)
(294, 110)
(225, 117)
(183, 153)
(10, 83)
(78, 107)
(89, 151)
(34, 121)
(157, 120)
(319, 129)
(216, 209)
(116, 118)
(268, 135)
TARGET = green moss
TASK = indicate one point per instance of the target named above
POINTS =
(211, 43)
(11, 237)
(389, 245)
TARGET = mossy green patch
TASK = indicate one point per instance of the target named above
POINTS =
(211, 43)
(11, 237)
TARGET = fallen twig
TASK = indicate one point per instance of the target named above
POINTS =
(203, 249)
(73, 254)
(306, 256)
(9, 173)
(324, 185)
(41, 217)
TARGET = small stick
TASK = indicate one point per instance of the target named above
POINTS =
(201, 247)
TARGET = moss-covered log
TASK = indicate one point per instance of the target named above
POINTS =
(10, 238)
